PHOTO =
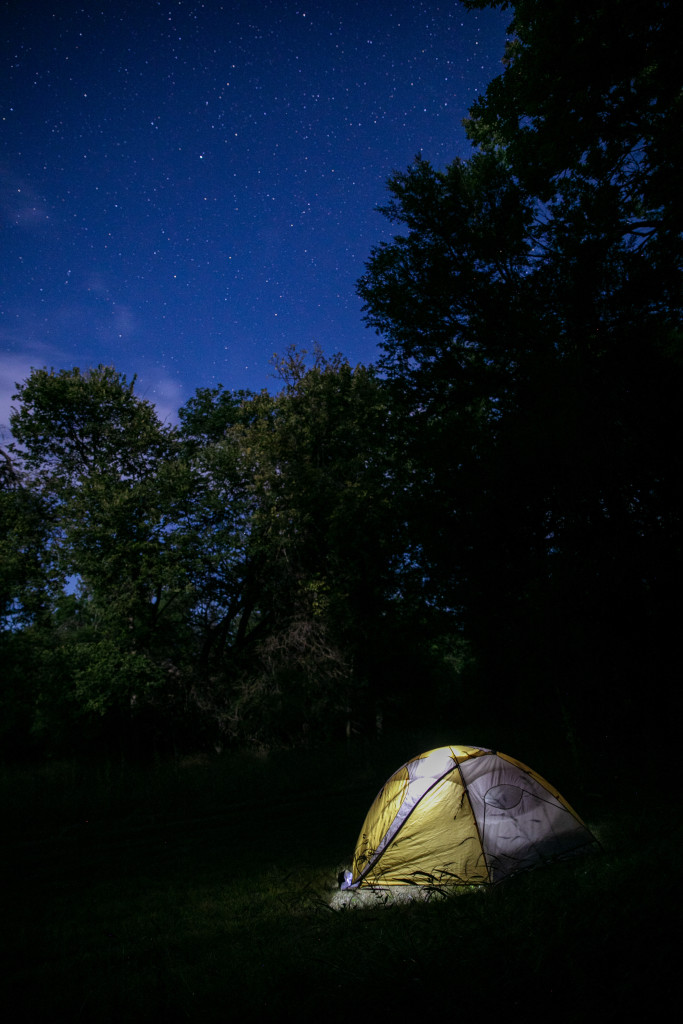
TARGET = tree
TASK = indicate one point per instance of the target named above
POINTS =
(320, 544)
(294, 521)
(23, 604)
(228, 577)
(22, 540)
(214, 527)
(531, 325)
(103, 468)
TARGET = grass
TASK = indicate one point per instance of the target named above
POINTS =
(198, 890)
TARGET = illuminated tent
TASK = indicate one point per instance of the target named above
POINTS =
(463, 816)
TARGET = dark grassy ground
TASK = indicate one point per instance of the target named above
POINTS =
(197, 890)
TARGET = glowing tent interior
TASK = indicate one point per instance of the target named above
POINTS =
(463, 815)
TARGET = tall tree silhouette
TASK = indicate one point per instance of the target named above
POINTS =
(530, 317)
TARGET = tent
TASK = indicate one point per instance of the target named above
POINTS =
(463, 816)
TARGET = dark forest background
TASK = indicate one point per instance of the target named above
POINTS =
(484, 527)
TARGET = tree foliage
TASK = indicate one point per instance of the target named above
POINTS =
(98, 460)
(316, 574)
(227, 579)
(530, 316)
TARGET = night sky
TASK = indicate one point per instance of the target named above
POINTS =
(187, 188)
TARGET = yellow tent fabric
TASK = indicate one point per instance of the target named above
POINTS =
(463, 815)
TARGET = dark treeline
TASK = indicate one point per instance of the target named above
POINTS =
(486, 525)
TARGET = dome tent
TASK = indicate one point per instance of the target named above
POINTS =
(462, 816)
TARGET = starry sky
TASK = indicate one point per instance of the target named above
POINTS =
(187, 188)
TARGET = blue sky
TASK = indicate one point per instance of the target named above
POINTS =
(187, 188)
